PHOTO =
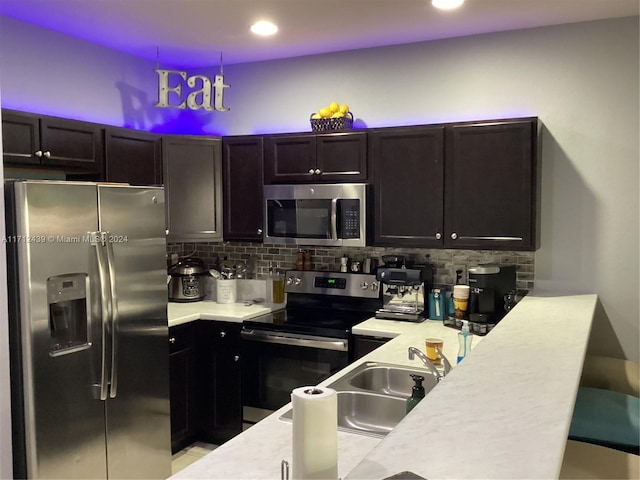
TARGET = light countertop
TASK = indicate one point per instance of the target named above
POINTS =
(504, 412)
(179, 313)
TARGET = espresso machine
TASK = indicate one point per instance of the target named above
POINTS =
(403, 293)
(489, 285)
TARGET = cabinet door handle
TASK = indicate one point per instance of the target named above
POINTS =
(223, 334)
(311, 170)
(47, 154)
(259, 231)
(172, 340)
(38, 153)
(318, 171)
(236, 358)
(438, 236)
(454, 235)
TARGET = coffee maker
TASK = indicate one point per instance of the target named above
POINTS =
(489, 284)
(403, 292)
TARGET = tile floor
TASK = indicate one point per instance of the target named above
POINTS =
(189, 455)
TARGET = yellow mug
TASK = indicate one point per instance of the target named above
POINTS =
(432, 354)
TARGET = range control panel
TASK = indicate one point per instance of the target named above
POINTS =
(361, 285)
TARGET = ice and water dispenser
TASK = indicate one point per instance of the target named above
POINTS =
(68, 313)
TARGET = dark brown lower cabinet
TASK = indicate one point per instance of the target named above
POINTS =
(363, 344)
(219, 374)
(183, 386)
(205, 374)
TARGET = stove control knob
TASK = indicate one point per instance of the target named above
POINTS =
(374, 285)
(297, 281)
(364, 285)
(289, 280)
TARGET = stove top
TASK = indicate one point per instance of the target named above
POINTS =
(324, 304)
(334, 324)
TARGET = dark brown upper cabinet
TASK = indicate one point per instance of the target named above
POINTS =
(316, 158)
(193, 187)
(242, 160)
(408, 177)
(468, 185)
(69, 145)
(491, 185)
(132, 156)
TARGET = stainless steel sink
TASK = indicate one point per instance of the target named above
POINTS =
(372, 398)
(366, 413)
(384, 378)
(389, 379)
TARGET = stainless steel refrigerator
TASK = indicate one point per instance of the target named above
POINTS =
(88, 330)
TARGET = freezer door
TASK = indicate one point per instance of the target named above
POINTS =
(58, 313)
(138, 421)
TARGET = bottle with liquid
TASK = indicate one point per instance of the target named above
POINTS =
(277, 281)
(417, 392)
(300, 260)
(308, 265)
(465, 337)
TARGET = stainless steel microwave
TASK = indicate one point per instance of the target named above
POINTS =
(332, 214)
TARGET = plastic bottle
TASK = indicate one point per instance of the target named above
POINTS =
(464, 341)
(417, 392)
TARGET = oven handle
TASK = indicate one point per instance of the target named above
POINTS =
(338, 345)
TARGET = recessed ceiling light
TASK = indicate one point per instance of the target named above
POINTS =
(264, 28)
(446, 4)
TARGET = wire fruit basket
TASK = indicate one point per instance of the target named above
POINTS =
(332, 123)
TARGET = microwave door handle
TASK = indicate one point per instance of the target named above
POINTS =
(334, 218)
(113, 390)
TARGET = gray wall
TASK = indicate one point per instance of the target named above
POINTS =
(46, 72)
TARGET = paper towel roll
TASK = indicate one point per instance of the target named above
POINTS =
(315, 433)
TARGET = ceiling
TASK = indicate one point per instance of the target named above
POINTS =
(192, 33)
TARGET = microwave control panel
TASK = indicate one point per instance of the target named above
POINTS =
(349, 215)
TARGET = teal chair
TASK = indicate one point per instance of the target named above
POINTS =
(607, 408)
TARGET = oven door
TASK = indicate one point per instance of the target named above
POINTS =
(275, 363)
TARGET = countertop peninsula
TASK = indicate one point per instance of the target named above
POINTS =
(504, 412)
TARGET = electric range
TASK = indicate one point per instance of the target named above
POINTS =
(308, 341)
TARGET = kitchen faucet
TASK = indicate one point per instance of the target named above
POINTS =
(413, 352)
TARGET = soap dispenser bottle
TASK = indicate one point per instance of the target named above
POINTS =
(417, 392)
(464, 340)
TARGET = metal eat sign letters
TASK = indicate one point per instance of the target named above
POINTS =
(203, 94)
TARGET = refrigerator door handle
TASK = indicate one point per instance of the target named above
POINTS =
(113, 391)
(97, 240)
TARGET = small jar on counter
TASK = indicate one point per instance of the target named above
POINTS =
(307, 261)
(344, 262)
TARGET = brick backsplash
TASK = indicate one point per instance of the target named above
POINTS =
(328, 258)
